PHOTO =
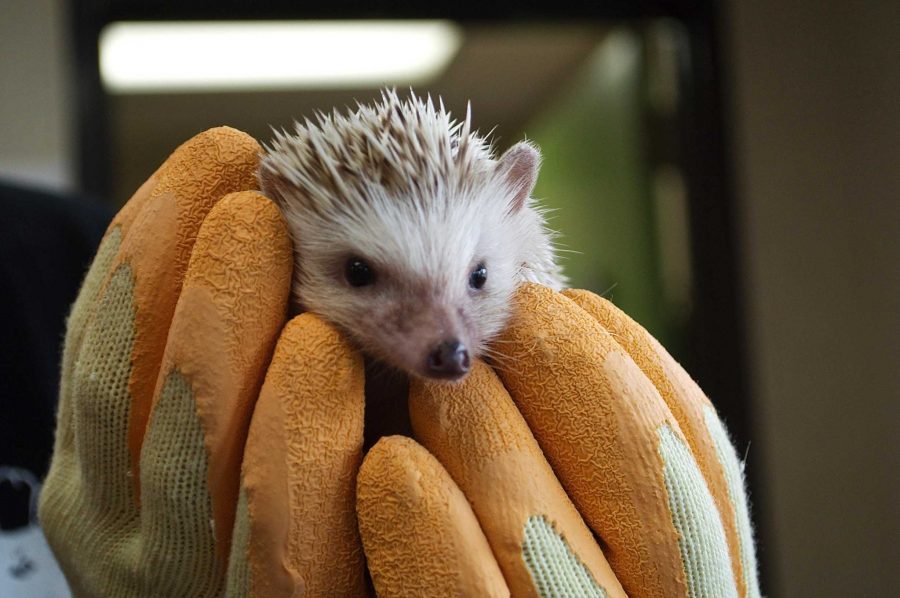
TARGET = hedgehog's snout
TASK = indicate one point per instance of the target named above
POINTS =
(449, 360)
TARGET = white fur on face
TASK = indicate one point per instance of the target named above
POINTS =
(422, 201)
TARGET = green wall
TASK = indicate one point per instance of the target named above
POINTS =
(595, 179)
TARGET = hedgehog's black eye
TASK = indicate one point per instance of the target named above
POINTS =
(359, 273)
(478, 276)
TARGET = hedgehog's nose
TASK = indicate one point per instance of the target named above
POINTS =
(450, 360)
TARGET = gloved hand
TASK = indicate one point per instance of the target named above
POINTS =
(589, 464)
(166, 349)
(167, 364)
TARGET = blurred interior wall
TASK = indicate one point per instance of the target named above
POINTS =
(595, 182)
(815, 89)
(36, 96)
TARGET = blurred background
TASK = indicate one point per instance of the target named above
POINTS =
(727, 173)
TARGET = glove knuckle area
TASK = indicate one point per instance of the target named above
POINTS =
(420, 535)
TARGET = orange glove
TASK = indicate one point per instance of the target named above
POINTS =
(590, 427)
(159, 484)
(191, 460)
(166, 350)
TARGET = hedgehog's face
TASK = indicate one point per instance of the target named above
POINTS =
(424, 291)
(408, 235)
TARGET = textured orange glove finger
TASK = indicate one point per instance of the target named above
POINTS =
(420, 534)
(617, 449)
(232, 306)
(699, 422)
(536, 534)
(296, 524)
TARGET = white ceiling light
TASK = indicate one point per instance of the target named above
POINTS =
(189, 56)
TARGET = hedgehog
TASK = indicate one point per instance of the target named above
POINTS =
(410, 234)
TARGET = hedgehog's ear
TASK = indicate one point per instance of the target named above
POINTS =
(519, 166)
